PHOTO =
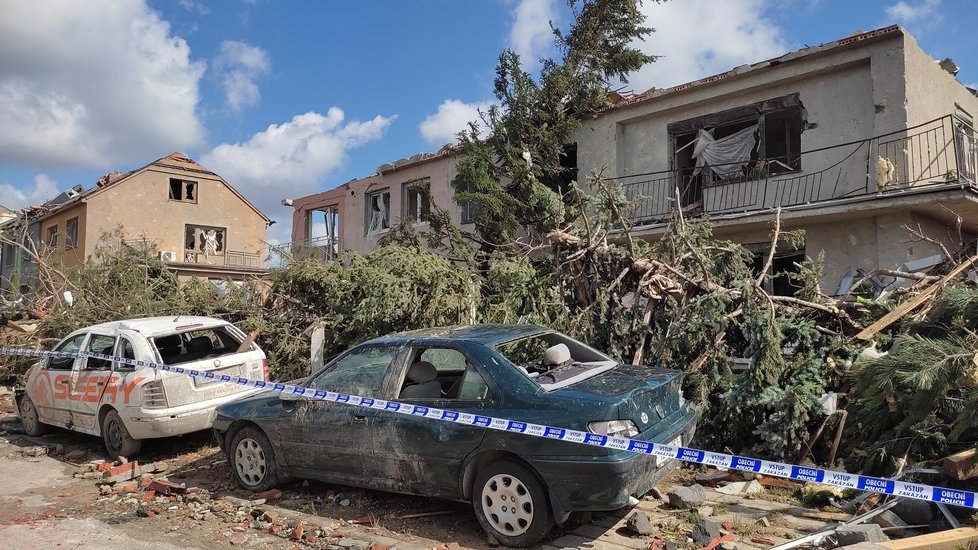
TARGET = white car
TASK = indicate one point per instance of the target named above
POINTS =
(126, 404)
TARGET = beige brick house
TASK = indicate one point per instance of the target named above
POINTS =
(199, 224)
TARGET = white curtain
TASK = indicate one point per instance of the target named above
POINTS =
(726, 155)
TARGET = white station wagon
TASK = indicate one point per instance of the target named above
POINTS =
(126, 404)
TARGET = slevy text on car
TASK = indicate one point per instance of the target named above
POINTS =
(126, 404)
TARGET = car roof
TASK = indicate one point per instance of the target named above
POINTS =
(157, 325)
(487, 335)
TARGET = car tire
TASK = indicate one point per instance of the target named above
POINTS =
(252, 460)
(511, 503)
(30, 418)
(118, 441)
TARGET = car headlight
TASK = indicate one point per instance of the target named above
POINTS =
(614, 428)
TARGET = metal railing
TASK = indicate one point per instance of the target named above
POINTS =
(939, 153)
(325, 248)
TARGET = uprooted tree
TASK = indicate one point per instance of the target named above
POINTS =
(558, 252)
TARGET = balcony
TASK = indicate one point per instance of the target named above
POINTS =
(230, 258)
(325, 249)
(940, 154)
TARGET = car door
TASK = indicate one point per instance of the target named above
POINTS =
(334, 438)
(424, 455)
(88, 380)
(51, 388)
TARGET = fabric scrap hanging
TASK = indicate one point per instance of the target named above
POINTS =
(726, 155)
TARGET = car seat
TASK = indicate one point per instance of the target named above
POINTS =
(421, 382)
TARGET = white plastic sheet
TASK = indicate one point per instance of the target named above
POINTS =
(726, 155)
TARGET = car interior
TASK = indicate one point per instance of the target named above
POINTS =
(441, 373)
(194, 346)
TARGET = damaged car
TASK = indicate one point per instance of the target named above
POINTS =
(520, 486)
(127, 404)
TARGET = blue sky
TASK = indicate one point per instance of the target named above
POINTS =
(289, 98)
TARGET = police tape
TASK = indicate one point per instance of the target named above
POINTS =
(845, 480)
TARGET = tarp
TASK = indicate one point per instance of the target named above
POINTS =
(726, 155)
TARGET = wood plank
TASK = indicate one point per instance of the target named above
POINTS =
(913, 303)
(961, 465)
(965, 538)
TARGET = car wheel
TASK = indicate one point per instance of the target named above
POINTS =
(30, 419)
(253, 460)
(511, 504)
(118, 442)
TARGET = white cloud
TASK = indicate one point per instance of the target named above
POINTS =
(531, 36)
(195, 7)
(240, 64)
(90, 84)
(921, 15)
(452, 117)
(699, 38)
(43, 190)
(291, 159)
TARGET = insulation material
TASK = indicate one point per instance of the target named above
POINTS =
(726, 155)
(885, 171)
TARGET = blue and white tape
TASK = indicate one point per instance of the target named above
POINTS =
(885, 486)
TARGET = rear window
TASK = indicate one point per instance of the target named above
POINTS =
(554, 360)
(195, 345)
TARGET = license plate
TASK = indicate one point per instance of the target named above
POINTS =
(661, 460)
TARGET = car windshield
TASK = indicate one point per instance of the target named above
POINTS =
(554, 360)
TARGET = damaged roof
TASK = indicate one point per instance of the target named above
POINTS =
(176, 160)
(621, 100)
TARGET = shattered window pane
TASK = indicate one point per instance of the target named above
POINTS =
(52, 236)
(378, 212)
(71, 233)
(183, 190)
(203, 240)
(360, 372)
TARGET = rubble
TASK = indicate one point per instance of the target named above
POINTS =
(854, 534)
(685, 498)
(638, 523)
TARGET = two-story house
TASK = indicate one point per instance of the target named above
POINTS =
(856, 140)
(355, 215)
(198, 224)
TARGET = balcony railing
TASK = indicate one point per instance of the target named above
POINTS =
(230, 258)
(939, 153)
(325, 248)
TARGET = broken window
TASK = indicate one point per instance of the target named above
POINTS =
(417, 206)
(454, 376)
(786, 263)
(51, 238)
(71, 233)
(378, 212)
(99, 343)
(737, 144)
(202, 241)
(966, 144)
(469, 209)
(359, 372)
(183, 190)
(70, 346)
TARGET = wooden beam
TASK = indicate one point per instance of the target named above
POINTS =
(913, 303)
(965, 538)
(961, 465)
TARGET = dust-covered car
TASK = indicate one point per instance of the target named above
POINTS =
(126, 404)
(519, 485)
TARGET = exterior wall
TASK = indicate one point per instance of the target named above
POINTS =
(351, 199)
(840, 90)
(932, 92)
(141, 205)
(70, 257)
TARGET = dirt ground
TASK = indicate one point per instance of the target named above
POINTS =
(178, 494)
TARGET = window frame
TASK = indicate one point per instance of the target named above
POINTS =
(51, 236)
(184, 187)
(82, 342)
(422, 209)
(368, 206)
(414, 354)
(396, 352)
(71, 236)
(99, 364)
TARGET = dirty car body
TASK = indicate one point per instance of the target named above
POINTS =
(517, 372)
(126, 404)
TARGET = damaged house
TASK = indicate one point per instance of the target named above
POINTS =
(355, 215)
(196, 222)
(856, 140)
